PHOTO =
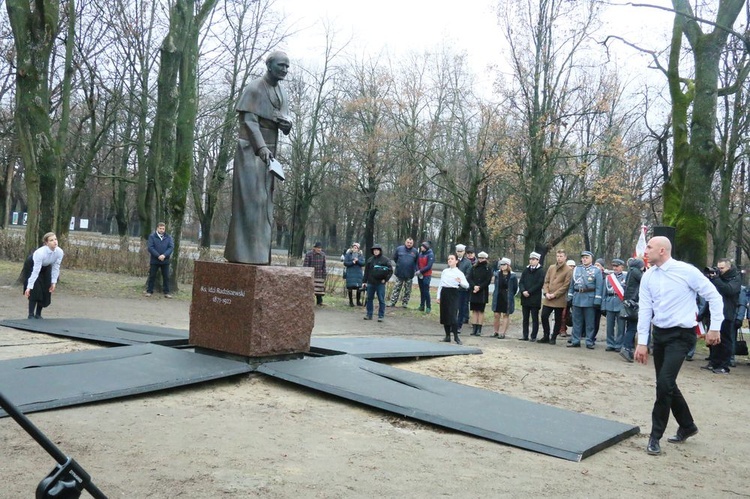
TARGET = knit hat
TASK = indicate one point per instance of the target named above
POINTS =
(636, 262)
(355, 244)
(570, 263)
(601, 262)
(318, 244)
(482, 254)
(470, 249)
(534, 255)
(425, 244)
(460, 247)
(505, 261)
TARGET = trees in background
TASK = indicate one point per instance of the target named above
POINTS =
(123, 111)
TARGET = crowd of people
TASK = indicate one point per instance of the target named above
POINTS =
(569, 300)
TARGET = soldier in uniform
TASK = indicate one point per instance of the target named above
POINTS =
(612, 304)
(585, 295)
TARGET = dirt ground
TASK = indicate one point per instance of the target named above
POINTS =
(253, 436)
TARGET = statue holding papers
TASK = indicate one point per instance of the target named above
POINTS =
(263, 110)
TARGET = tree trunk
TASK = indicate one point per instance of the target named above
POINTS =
(34, 34)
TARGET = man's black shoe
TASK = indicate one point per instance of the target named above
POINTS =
(653, 448)
(573, 345)
(683, 435)
(708, 367)
(552, 341)
(627, 355)
(610, 349)
(590, 347)
(543, 340)
(523, 339)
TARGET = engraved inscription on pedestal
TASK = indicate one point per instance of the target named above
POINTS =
(252, 310)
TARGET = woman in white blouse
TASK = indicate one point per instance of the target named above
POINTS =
(447, 296)
(40, 272)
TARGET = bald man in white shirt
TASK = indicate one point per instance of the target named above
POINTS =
(667, 300)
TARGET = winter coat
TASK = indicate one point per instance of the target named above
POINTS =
(354, 273)
(512, 290)
(728, 284)
(465, 264)
(532, 280)
(557, 280)
(379, 261)
(480, 275)
(425, 261)
(318, 262)
(633, 282)
(406, 261)
(158, 246)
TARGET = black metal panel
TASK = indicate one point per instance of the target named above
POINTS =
(112, 333)
(387, 348)
(528, 425)
(51, 381)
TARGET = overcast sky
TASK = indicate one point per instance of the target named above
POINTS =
(393, 27)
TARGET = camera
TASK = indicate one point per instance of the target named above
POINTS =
(711, 271)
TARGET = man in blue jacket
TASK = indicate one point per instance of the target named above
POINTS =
(405, 259)
(160, 247)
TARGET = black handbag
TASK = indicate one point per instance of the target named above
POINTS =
(629, 310)
(740, 346)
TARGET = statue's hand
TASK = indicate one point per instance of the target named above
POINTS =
(265, 154)
(284, 125)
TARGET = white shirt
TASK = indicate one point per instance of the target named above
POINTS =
(43, 257)
(448, 280)
(667, 298)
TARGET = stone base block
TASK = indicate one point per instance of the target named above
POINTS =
(252, 310)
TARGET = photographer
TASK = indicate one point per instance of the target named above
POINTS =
(727, 281)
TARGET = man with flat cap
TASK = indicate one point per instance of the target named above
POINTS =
(584, 293)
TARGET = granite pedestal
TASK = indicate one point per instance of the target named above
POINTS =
(252, 310)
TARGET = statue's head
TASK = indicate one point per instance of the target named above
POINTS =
(277, 64)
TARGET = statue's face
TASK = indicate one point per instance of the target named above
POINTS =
(279, 67)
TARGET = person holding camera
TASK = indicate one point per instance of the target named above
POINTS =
(726, 279)
(377, 272)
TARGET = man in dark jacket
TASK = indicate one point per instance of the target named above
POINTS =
(630, 299)
(405, 258)
(160, 247)
(728, 284)
(377, 272)
(530, 286)
(424, 275)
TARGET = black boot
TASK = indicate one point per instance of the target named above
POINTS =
(455, 337)
(319, 300)
(447, 338)
(359, 297)
(351, 299)
(479, 330)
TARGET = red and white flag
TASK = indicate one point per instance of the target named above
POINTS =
(615, 284)
(640, 246)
